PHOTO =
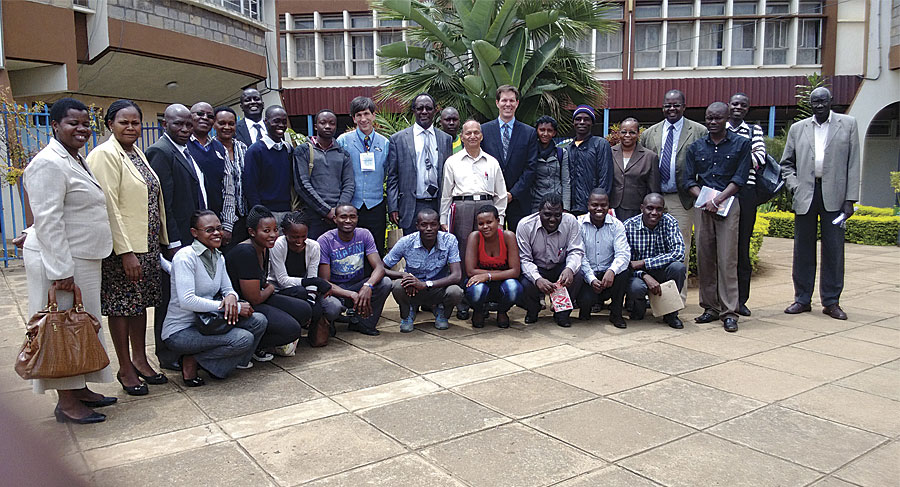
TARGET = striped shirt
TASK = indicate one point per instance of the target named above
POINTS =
(658, 247)
(757, 146)
(234, 205)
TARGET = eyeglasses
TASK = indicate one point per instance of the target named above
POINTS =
(208, 115)
(673, 105)
(628, 132)
(211, 230)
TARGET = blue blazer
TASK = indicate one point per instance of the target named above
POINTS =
(518, 166)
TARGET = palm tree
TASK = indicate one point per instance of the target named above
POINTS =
(464, 49)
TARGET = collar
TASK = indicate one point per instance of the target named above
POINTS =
(201, 249)
(743, 125)
(678, 125)
(417, 242)
(417, 129)
(827, 121)
(181, 148)
(362, 135)
(511, 123)
(270, 144)
(62, 151)
(477, 158)
(586, 218)
(251, 123)
(209, 141)
(316, 141)
(644, 226)
(728, 136)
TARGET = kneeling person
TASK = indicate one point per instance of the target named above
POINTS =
(657, 255)
(606, 258)
(429, 254)
(344, 249)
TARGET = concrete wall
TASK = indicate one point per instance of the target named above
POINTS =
(881, 157)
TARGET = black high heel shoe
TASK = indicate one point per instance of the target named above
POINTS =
(194, 382)
(94, 417)
(141, 390)
(155, 380)
(102, 402)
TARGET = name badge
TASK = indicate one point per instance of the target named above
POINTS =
(367, 161)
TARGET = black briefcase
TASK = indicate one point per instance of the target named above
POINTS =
(768, 180)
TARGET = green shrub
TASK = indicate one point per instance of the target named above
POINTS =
(862, 210)
(861, 228)
(760, 230)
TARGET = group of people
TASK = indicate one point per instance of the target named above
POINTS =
(243, 228)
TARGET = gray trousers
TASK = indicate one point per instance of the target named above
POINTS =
(448, 297)
(220, 354)
(717, 257)
(333, 306)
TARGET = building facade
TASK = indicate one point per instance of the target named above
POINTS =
(708, 49)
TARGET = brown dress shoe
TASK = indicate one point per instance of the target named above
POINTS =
(835, 312)
(797, 308)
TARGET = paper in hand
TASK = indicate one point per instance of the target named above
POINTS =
(668, 301)
(561, 300)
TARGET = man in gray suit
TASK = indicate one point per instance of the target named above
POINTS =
(415, 166)
(671, 139)
(820, 165)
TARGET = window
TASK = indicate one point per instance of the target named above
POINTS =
(744, 8)
(362, 54)
(646, 44)
(282, 48)
(743, 43)
(333, 54)
(303, 22)
(711, 9)
(809, 42)
(712, 43)
(609, 49)
(776, 41)
(332, 22)
(361, 21)
(680, 9)
(389, 23)
(583, 46)
(680, 42)
(648, 11)
(304, 55)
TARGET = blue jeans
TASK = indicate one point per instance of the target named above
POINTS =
(220, 354)
(504, 293)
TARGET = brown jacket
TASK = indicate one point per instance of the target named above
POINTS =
(632, 183)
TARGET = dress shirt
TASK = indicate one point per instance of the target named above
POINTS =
(604, 248)
(252, 131)
(511, 124)
(757, 146)
(234, 206)
(538, 249)
(369, 190)
(658, 247)
(421, 171)
(468, 176)
(197, 171)
(821, 136)
(426, 265)
(717, 165)
(671, 186)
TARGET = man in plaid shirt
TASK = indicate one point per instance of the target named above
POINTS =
(657, 254)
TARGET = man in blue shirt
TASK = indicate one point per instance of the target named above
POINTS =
(368, 151)
(721, 162)
(429, 255)
(267, 167)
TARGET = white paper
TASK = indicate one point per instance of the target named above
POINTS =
(707, 194)
(668, 301)
(367, 161)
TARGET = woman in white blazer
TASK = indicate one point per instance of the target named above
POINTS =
(137, 218)
(67, 243)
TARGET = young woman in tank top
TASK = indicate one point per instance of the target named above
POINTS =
(492, 261)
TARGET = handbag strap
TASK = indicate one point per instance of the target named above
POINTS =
(53, 304)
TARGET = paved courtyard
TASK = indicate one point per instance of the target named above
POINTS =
(786, 401)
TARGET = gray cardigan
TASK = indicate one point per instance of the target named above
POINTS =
(193, 291)
(330, 180)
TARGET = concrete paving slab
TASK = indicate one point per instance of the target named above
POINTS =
(390, 338)
(308, 451)
(510, 456)
(336, 349)
(547, 356)
(799, 438)
(879, 468)
(752, 381)
(404, 471)
(472, 373)
(432, 418)
(695, 460)
(776, 333)
(688, 403)
(881, 381)
(354, 373)
(154, 446)
(850, 348)
(832, 482)
(385, 393)
(875, 334)
(601, 375)
(272, 419)
(250, 391)
(719, 342)
(608, 429)
(434, 356)
(611, 476)
(666, 358)
(509, 342)
(805, 363)
(523, 394)
(865, 411)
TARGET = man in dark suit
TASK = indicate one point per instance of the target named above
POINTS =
(250, 128)
(670, 140)
(514, 145)
(183, 193)
(820, 165)
(415, 166)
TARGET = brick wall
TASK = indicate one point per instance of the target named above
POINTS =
(190, 19)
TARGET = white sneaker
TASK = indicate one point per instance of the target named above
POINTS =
(248, 365)
(262, 356)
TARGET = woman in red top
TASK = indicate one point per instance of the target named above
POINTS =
(492, 259)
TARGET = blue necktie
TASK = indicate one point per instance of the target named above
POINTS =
(505, 140)
(258, 131)
(666, 158)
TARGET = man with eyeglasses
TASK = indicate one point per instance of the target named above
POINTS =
(415, 166)
(209, 154)
(670, 140)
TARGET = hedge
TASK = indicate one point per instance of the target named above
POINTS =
(760, 230)
(861, 228)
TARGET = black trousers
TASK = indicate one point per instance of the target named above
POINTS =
(285, 315)
(318, 225)
(375, 220)
(831, 275)
(167, 358)
(532, 296)
(587, 297)
(747, 197)
(434, 204)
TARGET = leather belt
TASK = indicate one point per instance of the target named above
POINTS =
(477, 197)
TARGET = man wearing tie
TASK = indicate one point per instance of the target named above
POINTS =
(514, 145)
(250, 129)
(415, 164)
(820, 165)
(670, 139)
(184, 192)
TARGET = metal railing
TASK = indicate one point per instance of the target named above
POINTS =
(25, 131)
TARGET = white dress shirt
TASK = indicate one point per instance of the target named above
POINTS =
(821, 132)
(200, 179)
(679, 125)
(252, 131)
(468, 176)
(419, 139)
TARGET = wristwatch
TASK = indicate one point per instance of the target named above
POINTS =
(429, 284)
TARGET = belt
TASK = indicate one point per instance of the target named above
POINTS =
(477, 197)
(429, 200)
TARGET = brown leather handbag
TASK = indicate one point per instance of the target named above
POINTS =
(318, 333)
(61, 343)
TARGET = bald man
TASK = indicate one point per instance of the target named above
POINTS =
(209, 154)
